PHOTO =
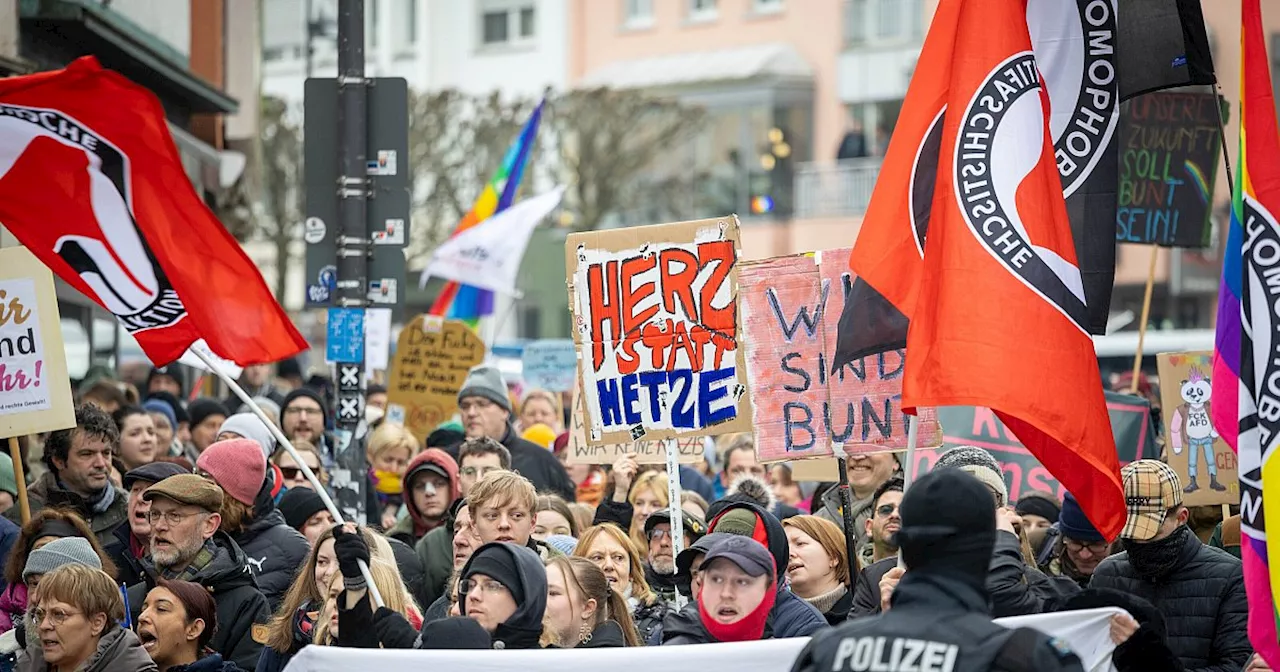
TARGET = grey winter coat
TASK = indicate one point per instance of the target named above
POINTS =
(118, 651)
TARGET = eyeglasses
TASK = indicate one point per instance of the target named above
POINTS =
(299, 410)
(477, 403)
(488, 586)
(470, 472)
(886, 509)
(56, 616)
(659, 534)
(1095, 547)
(173, 518)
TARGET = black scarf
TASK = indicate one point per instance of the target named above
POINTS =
(1155, 560)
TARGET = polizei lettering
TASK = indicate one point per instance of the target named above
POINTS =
(1078, 147)
(987, 177)
(1262, 272)
(899, 654)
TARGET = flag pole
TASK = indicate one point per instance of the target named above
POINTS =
(16, 453)
(909, 469)
(1146, 312)
(672, 447)
(846, 509)
(293, 452)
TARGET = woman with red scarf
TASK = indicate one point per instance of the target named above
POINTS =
(738, 588)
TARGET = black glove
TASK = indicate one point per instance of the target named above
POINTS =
(350, 549)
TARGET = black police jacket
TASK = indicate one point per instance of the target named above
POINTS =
(935, 623)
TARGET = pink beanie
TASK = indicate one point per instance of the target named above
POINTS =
(237, 465)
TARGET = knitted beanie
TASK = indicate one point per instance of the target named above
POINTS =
(308, 393)
(562, 542)
(59, 552)
(298, 505)
(250, 427)
(485, 381)
(979, 464)
(237, 465)
(163, 408)
(740, 521)
(202, 408)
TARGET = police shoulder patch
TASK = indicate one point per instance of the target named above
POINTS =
(1061, 647)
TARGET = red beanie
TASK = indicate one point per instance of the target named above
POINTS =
(237, 465)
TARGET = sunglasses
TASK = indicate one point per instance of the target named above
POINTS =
(886, 509)
(295, 472)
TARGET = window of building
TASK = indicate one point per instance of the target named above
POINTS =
(637, 13)
(702, 10)
(410, 21)
(371, 23)
(767, 6)
(882, 21)
(508, 22)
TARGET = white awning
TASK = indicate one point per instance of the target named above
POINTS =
(721, 65)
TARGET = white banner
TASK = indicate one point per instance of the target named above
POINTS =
(488, 255)
(1086, 631)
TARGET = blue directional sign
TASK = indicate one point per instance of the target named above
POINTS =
(344, 336)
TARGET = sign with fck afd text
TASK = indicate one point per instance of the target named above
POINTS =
(657, 322)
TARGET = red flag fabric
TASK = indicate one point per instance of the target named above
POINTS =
(1000, 320)
(92, 184)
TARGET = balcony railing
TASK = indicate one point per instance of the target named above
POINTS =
(840, 189)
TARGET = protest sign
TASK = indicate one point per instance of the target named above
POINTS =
(432, 359)
(35, 392)
(550, 364)
(656, 320)
(1168, 167)
(1086, 632)
(578, 451)
(1204, 462)
(969, 426)
(791, 308)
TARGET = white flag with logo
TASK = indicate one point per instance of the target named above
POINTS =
(488, 255)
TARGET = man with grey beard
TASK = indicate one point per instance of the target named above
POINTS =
(186, 544)
(660, 566)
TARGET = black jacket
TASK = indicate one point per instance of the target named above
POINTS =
(662, 585)
(1014, 588)
(685, 627)
(648, 618)
(240, 605)
(607, 635)
(128, 568)
(210, 663)
(839, 612)
(535, 463)
(363, 628)
(1202, 599)
(48, 492)
(930, 613)
(1147, 650)
(273, 550)
(415, 579)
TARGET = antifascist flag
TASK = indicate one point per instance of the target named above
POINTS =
(1074, 43)
(1254, 254)
(1162, 44)
(1000, 319)
(91, 183)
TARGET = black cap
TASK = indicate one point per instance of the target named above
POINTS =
(151, 473)
(694, 528)
(948, 526)
(298, 505)
(203, 408)
(172, 372)
(497, 563)
(748, 554)
(308, 393)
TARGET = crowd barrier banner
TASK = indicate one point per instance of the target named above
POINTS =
(1086, 631)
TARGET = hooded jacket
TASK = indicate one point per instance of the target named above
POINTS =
(273, 550)
(239, 604)
(791, 616)
(46, 492)
(413, 527)
(523, 629)
(118, 651)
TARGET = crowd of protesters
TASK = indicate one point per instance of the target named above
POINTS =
(178, 536)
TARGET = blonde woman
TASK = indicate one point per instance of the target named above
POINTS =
(583, 610)
(391, 447)
(541, 407)
(610, 549)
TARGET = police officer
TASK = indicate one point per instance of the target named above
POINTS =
(939, 620)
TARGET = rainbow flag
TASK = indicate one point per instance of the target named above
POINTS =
(464, 302)
(1249, 263)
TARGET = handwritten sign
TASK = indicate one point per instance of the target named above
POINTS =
(969, 426)
(550, 364)
(791, 308)
(1168, 166)
(35, 392)
(431, 363)
(1205, 462)
(656, 319)
(578, 451)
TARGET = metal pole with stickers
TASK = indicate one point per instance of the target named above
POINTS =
(357, 213)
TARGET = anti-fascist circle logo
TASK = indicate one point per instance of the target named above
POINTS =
(999, 144)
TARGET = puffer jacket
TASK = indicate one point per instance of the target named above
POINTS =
(648, 618)
(239, 604)
(273, 550)
(118, 651)
(13, 604)
(1202, 599)
(413, 527)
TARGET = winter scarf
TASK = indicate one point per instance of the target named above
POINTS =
(100, 501)
(1154, 560)
(749, 629)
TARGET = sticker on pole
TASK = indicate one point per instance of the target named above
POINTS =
(382, 291)
(313, 230)
(392, 233)
(344, 336)
(385, 164)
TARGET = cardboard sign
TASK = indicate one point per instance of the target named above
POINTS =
(791, 308)
(550, 364)
(656, 319)
(431, 364)
(969, 426)
(35, 392)
(1168, 167)
(645, 451)
(1205, 462)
